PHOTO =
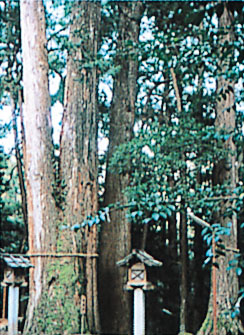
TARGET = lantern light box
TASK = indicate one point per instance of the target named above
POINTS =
(136, 262)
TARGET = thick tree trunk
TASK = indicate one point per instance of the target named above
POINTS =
(115, 303)
(227, 281)
(54, 306)
(78, 147)
(225, 174)
(39, 174)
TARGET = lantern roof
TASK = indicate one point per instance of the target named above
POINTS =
(17, 261)
(141, 256)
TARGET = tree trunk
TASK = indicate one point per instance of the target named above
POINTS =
(225, 174)
(200, 282)
(20, 172)
(115, 303)
(39, 174)
(78, 147)
(55, 287)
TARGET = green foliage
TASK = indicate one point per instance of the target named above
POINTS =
(217, 232)
(11, 66)
(156, 156)
(57, 20)
(4, 184)
(12, 226)
(101, 216)
(11, 220)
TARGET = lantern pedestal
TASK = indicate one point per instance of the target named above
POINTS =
(139, 312)
(13, 309)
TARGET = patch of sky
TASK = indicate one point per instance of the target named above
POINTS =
(55, 10)
(57, 108)
(215, 21)
(3, 68)
(147, 24)
(8, 140)
(146, 150)
(156, 101)
(239, 89)
(105, 48)
(56, 114)
(102, 144)
(108, 47)
(54, 82)
(210, 83)
(105, 89)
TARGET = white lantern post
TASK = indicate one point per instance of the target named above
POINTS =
(137, 281)
(13, 309)
(139, 312)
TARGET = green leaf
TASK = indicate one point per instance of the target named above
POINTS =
(238, 271)
(168, 211)
(75, 226)
(164, 215)
(155, 216)
(102, 216)
(172, 207)
(133, 214)
(207, 260)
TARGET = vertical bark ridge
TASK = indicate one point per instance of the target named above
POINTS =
(78, 144)
(225, 174)
(227, 281)
(39, 176)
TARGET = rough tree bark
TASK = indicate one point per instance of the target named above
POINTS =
(225, 174)
(78, 144)
(39, 174)
(115, 303)
(56, 285)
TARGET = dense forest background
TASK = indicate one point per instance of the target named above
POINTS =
(151, 137)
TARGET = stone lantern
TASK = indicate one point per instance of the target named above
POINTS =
(136, 262)
(14, 277)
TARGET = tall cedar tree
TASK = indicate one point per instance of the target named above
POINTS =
(54, 297)
(115, 303)
(42, 216)
(225, 175)
(78, 147)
